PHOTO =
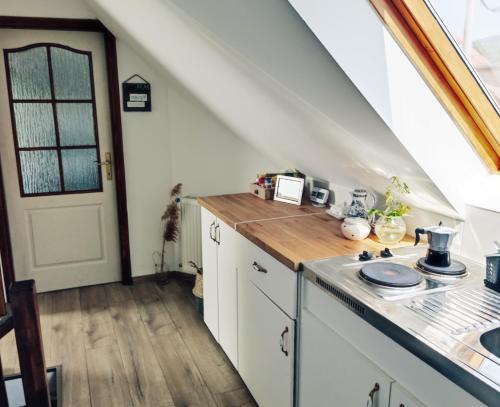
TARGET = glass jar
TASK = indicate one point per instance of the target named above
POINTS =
(390, 229)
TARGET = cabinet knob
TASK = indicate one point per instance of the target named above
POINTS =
(371, 395)
(257, 267)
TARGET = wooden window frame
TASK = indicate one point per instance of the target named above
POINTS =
(53, 101)
(415, 28)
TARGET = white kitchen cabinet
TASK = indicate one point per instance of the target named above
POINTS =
(276, 280)
(400, 397)
(219, 282)
(265, 346)
(210, 283)
(250, 303)
(334, 373)
(227, 290)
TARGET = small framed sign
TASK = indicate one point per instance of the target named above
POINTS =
(289, 189)
(136, 95)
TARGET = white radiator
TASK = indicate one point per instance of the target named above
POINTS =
(188, 247)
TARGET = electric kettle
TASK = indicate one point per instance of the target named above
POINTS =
(439, 239)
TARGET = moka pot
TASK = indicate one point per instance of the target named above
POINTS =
(439, 239)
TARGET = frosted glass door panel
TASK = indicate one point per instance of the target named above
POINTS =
(76, 124)
(29, 74)
(54, 119)
(80, 169)
(35, 125)
(71, 72)
(40, 171)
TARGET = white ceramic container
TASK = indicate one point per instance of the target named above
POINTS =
(355, 228)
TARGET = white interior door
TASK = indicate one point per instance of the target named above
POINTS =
(54, 130)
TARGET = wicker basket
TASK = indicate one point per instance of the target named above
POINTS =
(198, 286)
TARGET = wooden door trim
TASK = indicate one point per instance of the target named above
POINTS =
(6, 256)
(70, 24)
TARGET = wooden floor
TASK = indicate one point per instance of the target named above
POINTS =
(133, 346)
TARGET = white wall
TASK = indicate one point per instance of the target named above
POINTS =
(207, 157)
(272, 84)
(258, 69)
(179, 141)
(46, 8)
(264, 74)
(390, 83)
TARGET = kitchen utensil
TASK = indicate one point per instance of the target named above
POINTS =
(355, 228)
(493, 269)
(440, 239)
(359, 207)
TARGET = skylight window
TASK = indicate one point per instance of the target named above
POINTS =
(473, 27)
(455, 45)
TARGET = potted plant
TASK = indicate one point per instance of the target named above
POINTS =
(390, 226)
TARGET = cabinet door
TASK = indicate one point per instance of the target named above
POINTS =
(227, 288)
(209, 257)
(333, 373)
(400, 397)
(265, 347)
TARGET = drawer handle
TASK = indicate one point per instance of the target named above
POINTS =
(371, 395)
(257, 267)
(282, 341)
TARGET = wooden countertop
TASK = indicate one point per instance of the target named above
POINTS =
(296, 239)
(289, 233)
(245, 207)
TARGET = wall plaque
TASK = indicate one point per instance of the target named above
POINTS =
(136, 95)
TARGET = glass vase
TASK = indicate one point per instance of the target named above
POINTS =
(390, 229)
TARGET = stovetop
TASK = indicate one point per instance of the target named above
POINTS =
(346, 271)
(447, 314)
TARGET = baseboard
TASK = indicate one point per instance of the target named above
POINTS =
(175, 275)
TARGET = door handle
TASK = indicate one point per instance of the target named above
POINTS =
(371, 395)
(211, 230)
(107, 163)
(217, 234)
(257, 267)
(282, 341)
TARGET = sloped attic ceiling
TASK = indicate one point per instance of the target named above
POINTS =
(256, 65)
(355, 35)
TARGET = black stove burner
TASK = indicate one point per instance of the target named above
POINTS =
(455, 269)
(390, 275)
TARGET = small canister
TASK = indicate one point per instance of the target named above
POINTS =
(493, 269)
(268, 182)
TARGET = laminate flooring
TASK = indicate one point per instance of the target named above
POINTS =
(140, 345)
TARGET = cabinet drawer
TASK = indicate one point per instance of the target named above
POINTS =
(277, 281)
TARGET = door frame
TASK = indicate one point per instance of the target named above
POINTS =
(89, 25)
